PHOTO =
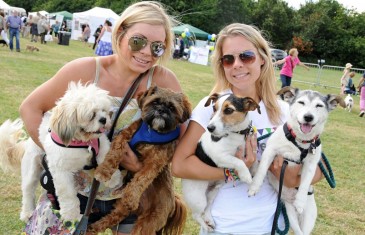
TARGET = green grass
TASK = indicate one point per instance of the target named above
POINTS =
(340, 210)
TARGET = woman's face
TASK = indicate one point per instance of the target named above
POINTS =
(143, 59)
(242, 75)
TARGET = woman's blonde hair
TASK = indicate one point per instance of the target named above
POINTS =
(148, 12)
(266, 83)
(292, 51)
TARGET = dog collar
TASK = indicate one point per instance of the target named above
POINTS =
(147, 135)
(245, 132)
(92, 145)
(314, 143)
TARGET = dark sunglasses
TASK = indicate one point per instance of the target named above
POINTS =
(137, 43)
(246, 57)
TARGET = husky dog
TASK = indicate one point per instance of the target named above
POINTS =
(227, 130)
(298, 142)
(349, 101)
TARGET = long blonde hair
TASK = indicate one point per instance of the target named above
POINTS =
(266, 83)
(149, 12)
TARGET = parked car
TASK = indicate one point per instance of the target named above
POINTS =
(278, 54)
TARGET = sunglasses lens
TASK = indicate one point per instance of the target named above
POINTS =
(137, 43)
(157, 49)
(227, 60)
(247, 57)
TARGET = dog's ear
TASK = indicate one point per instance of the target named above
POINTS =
(187, 108)
(250, 105)
(212, 99)
(64, 123)
(288, 93)
(140, 98)
(334, 100)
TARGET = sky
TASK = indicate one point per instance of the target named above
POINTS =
(358, 4)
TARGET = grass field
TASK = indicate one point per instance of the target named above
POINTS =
(340, 210)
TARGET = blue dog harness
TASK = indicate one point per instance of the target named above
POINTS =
(146, 135)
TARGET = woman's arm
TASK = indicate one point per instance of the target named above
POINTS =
(303, 65)
(279, 62)
(101, 34)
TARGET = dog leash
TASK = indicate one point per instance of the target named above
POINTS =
(82, 226)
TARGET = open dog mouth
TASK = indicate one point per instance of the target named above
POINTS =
(306, 127)
(101, 130)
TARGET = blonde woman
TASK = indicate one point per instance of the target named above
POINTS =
(242, 65)
(287, 70)
(141, 39)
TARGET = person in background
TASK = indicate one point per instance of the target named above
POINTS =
(55, 28)
(345, 76)
(182, 46)
(34, 29)
(361, 89)
(86, 34)
(43, 28)
(242, 66)
(349, 84)
(287, 70)
(144, 23)
(14, 23)
(96, 35)
(104, 40)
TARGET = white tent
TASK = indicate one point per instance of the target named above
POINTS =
(7, 8)
(93, 17)
(43, 13)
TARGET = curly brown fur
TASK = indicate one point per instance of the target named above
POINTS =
(150, 193)
(31, 48)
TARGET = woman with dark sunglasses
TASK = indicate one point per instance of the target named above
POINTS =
(287, 70)
(242, 65)
(142, 39)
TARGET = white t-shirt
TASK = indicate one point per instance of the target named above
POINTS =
(233, 211)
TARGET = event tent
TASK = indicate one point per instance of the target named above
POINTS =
(195, 32)
(7, 8)
(93, 17)
(66, 15)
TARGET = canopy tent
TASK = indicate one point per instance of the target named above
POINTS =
(93, 17)
(66, 15)
(195, 32)
(43, 13)
(7, 8)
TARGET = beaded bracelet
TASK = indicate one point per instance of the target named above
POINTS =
(230, 175)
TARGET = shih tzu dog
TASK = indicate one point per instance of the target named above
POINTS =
(72, 136)
(150, 192)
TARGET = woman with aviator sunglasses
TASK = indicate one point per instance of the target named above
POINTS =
(242, 65)
(141, 38)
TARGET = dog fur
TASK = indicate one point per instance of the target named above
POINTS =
(31, 48)
(82, 114)
(2, 41)
(150, 193)
(308, 115)
(226, 129)
(349, 102)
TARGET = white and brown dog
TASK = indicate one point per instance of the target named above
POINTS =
(298, 142)
(217, 147)
(72, 136)
(349, 102)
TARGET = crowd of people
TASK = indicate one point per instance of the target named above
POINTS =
(140, 42)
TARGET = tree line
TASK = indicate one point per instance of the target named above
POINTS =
(323, 29)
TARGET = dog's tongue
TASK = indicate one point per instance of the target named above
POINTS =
(305, 128)
(102, 130)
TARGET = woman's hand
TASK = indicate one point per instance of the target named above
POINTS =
(291, 177)
(130, 160)
(251, 150)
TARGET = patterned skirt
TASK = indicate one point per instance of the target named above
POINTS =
(104, 48)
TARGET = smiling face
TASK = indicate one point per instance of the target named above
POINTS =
(242, 75)
(143, 59)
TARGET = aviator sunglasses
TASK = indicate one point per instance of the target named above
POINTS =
(246, 57)
(137, 43)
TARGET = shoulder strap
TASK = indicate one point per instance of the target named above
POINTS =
(150, 76)
(97, 70)
(126, 99)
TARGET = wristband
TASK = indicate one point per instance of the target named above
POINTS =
(230, 175)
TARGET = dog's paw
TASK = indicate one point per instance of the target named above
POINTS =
(247, 178)
(209, 222)
(103, 175)
(252, 191)
(114, 180)
(299, 206)
(25, 215)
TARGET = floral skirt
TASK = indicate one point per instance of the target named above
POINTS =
(46, 220)
(104, 48)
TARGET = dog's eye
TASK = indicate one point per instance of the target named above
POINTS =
(228, 111)
(301, 102)
(172, 108)
(93, 116)
(319, 106)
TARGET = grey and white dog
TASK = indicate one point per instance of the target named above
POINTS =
(298, 142)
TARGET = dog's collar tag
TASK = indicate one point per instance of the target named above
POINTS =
(312, 148)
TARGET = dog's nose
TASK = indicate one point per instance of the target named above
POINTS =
(308, 117)
(102, 120)
(211, 128)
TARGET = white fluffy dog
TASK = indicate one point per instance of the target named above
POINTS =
(71, 135)
(349, 102)
(217, 147)
(298, 142)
